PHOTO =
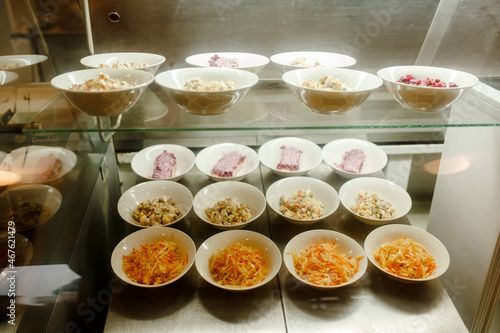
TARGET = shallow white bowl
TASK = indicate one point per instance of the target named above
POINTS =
(332, 102)
(333, 155)
(103, 103)
(223, 239)
(387, 190)
(270, 155)
(23, 161)
(206, 102)
(7, 77)
(326, 59)
(143, 163)
(209, 156)
(21, 60)
(149, 236)
(39, 194)
(243, 193)
(426, 99)
(153, 61)
(345, 244)
(389, 233)
(150, 190)
(253, 63)
(320, 190)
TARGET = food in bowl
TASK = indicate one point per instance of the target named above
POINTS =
(165, 166)
(405, 258)
(324, 264)
(47, 168)
(426, 82)
(124, 64)
(238, 265)
(370, 205)
(302, 61)
(9, 67)
(154, 263)
(198, 84)
(26, 215)
(290, 158)
(228, 165)
(301, 205)
(229, 212)
(157, 212)
(102, 83)
(352, 161)
(326, 83)
(217, 61)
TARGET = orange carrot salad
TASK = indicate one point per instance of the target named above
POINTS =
(238, 265)
(324, 265)
(405, 258)
(154, 263)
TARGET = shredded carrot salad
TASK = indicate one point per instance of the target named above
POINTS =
(238, 265)
(405, 258)
(324, 265)
(154, 263)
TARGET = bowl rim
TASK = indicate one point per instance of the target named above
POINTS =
(161, 58)
(265, 60)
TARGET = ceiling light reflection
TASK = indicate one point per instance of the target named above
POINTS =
(9, 178)
(447, 166)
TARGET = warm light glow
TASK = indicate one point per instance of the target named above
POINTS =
(9, 178)
(447, 166)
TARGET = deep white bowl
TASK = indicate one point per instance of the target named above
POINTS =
(143, 163)
(308, 238)
(206, 102)
(270, 154)
(389, 233)
(387, 190)
(103, 103)
(209, 156)
(242, 193)
(153, 61)
(223, 239)
(253, 63)
(150, 190)
(320, 190)
(326, 59)
(333, 155)
(332, 102)
(426, 99)
(36, 194)
(149, 236)
(21, 60)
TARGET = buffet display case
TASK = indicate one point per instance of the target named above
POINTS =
(447, 161)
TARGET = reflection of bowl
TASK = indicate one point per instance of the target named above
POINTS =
(385, 189)
(143, 162)
(320, 191)
(206, 102)
(393, 232)
(346, 245)
(242, 193)
(421, 98)
(312, 59)
(208, 158)
(270, 154)
(13, 62)
(103, 103)
(7, 77)
(142, 237)
(328, 101)
(253, 63)
(223, 239)
(28, 206)
(151, 190)
(333, 155)
(152, 61)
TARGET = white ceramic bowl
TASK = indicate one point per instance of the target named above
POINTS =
(326, 59)
(143, 163)
(150, 236)
(103, 103)
(375, 160)
(18, 61)
(270, 154)
(209, 156)
(223, 239)
(426, 99)
(308, 238)
(150, 190)
(386, 190)
(7, 77)
(253, 63)
(392, 232)
(320, 190)
(332, 102)
(206, 102)
(242, 193)
(107, 60)
(25, 162)
(36, 194)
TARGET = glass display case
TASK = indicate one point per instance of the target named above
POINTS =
(446, 160)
